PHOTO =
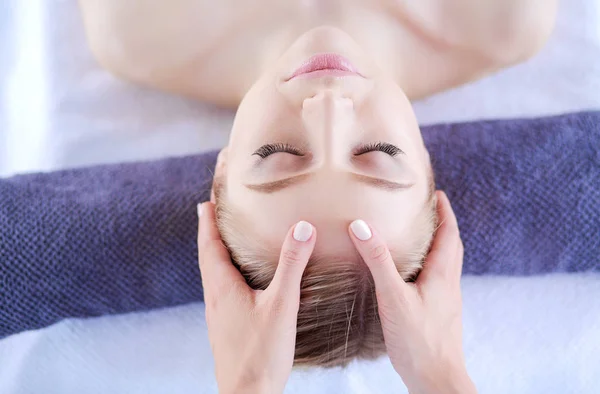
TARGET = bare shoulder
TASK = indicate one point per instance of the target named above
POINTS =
(461, 40)
(504, 30)
(165, 44)
(192, 47)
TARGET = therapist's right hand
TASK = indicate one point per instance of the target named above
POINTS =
(421, 321)
(252, 333)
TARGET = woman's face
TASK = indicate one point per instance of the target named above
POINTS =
(326, 149)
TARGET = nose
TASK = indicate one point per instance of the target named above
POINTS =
(328, 117)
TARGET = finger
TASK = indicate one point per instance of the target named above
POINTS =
(207, 225)
(297, 248)
(444, 261)
(216, 269)
(213, 198)
(376, 255)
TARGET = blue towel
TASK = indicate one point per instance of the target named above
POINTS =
(121, 238)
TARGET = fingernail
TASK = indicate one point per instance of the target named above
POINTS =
(302, 231)
(199, 208)
(361, 230)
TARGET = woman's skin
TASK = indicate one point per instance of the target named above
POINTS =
(215, 51)
(241, 54)
(252, 333)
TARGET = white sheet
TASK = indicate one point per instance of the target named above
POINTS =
(57, 109)
(522, 335)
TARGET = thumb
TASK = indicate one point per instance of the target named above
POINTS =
(297, 248)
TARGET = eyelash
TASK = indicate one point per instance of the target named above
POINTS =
(267, 150)
(384, 147)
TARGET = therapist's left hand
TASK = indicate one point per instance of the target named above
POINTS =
(252, 333)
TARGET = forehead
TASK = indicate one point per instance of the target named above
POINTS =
(330, 204)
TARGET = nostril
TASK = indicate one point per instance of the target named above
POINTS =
(329, 99)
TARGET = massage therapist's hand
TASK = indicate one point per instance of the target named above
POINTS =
(421, 321)
(252, 333)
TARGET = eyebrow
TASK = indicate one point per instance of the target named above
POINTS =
(275, 186)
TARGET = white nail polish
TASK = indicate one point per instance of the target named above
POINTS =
(302, 231)
(361, 230)
(199, 208)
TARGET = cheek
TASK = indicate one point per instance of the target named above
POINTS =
(251, 112)
(395, 106)
(263, 116)
(396, 116)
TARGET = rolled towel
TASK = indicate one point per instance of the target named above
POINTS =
(120, 238)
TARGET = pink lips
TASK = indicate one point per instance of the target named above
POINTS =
(326, 64)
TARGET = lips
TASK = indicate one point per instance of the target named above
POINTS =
(326, 64)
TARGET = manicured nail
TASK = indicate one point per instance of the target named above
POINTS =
(199, 208)
(302, 231)
(361, 230)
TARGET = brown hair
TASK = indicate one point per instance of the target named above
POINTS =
(338, 319)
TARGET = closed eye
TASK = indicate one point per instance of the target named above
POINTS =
(267, 150)
(384, 147)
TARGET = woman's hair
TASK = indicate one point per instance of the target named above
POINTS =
(338, 319)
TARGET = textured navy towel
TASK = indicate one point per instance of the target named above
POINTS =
(121, 238)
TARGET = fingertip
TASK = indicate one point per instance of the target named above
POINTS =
(206, 211)
(300, 240)
(445, 211)
(207, 207)
(207, 226)
(442, 200)
(361, 230)
(441, 194)
(303, 231)
(200, 211)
